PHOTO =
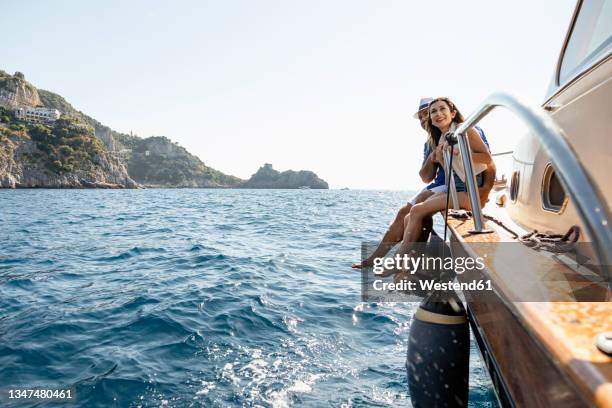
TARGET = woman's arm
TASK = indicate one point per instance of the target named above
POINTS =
(487, 183)
(480, 152)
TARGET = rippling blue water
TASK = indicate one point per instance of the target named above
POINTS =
(201, 298)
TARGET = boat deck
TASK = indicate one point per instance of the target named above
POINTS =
(550, 312)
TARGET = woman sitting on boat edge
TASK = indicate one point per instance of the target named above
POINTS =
(432, 171)
(444, 117)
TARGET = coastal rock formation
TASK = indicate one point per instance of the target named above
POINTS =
(154, 161)
(65, 154)
(78, 151)
(158, 162)
(22, 164)
(62, 156)
(16, 91)
(104, 133)
(267, 177)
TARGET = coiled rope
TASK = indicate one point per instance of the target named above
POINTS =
(557, 243)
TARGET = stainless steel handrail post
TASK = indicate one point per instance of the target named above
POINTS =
(588, 199)
(451, 174)
(470, 182)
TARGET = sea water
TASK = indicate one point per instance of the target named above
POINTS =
(189, 298)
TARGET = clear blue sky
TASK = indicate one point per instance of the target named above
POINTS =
(328, 86)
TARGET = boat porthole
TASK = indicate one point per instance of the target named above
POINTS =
(514, 186)
(553, 195)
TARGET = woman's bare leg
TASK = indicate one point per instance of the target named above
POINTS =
(414, 220)
(394, 232)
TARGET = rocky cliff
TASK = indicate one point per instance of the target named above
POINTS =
(158, 162)
(79, 151)
(104, 133)
(154, 161)
(94, 156)
(267, 177)
(15, 91)
(65, 154)
(42, 157)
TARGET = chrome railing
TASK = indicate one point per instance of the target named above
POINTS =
(448, 170)
(502, 153)
(588, 200)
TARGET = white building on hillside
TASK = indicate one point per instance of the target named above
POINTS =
(37, 115)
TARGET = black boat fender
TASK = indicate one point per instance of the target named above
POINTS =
(439, 354)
